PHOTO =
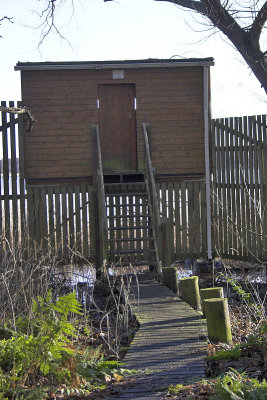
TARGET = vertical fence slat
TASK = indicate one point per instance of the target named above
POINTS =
(223, 184)
(22, 188)
(203, 219)
(36, 216)
(92, 225)
(5, 173)
(65, 250)
(30, 215)
(241, 185)
(228, 204)
(264, 180)
(246, 186)
(13, 171)
(43, 218)
(197, 213)
(131, 224)
(191, 228)
(256, 146)
(215, 183)
(138, 231)
(71, 218)
(51, 217)
(118, 221)
(78, 219)
(220, 248)
(164, 199)
(231, 214)
(84, 222)
(171, 213)
(252, 187)
(184, 220)
(57, 220)
(177, 220)
(237, 187)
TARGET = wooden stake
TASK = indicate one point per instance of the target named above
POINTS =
(190, 291)
(218, 320)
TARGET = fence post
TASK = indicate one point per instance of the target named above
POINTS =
(265, 199)
(167, 242)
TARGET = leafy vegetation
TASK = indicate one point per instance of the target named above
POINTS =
(237, 386)
(43, 349)
(226, 354)
(231, 386)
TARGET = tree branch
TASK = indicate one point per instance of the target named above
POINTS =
(258, 24)
(191, 4)
(6, 18)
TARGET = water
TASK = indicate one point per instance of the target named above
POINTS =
(78, 278)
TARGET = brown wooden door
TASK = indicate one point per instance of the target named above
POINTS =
(117, 127)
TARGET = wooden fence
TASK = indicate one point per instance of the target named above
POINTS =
(39, 217)
(62, 216)
(239, 186)
(58, 218)
(184, 204)
(12, 183)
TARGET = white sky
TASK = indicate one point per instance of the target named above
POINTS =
(126, 29)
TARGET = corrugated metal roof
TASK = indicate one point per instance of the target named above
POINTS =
(147, 63)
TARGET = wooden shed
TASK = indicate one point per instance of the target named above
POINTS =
(105, 115)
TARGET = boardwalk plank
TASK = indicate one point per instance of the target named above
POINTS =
(169, 341)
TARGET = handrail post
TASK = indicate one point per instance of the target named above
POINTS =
(101, 216)
(152, 192)
(264, 255)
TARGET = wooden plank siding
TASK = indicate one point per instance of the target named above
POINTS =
(65, 105)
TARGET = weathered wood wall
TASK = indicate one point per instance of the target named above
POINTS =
(65, 104)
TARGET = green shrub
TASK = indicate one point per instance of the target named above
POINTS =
(237, 386)
(43, 350)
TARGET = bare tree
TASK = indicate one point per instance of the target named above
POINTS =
(242, 22)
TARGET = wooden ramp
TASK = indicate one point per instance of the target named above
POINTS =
(169, 346)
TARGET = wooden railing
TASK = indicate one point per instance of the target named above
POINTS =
(153, 199)
(102, 213)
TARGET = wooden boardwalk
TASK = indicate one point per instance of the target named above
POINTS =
(169, 346)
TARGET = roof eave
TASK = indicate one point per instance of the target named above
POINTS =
(99, 66)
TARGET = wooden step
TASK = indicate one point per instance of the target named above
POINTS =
(130, 239)
(124, 205)
(133, 263)
(125, 194)
(122, 184)
(129, 216)
(134, 251)
(128, 228)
